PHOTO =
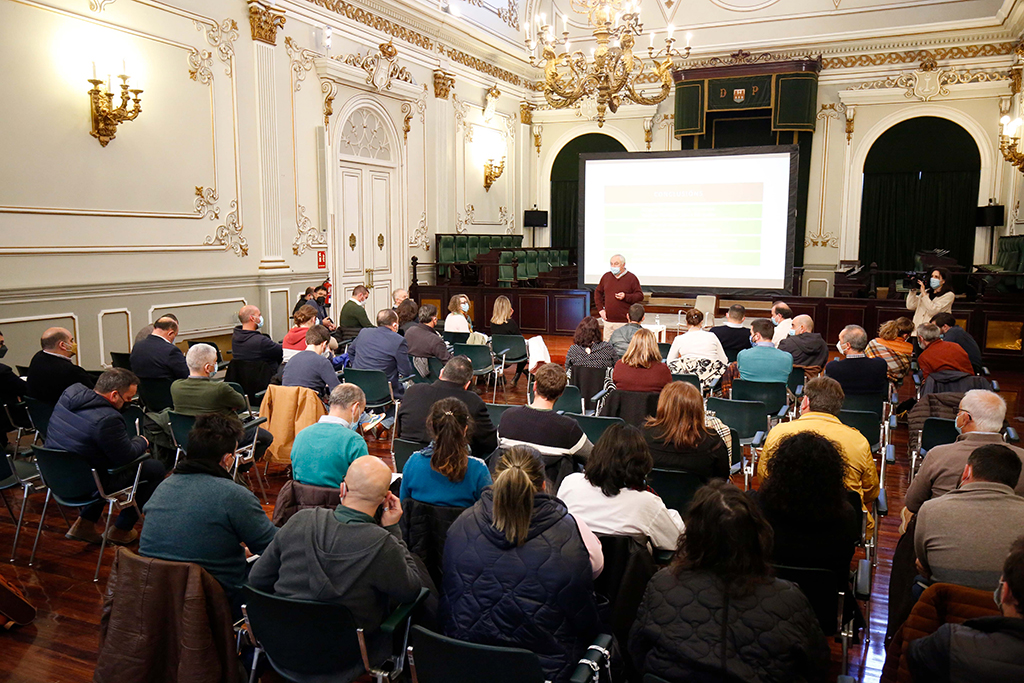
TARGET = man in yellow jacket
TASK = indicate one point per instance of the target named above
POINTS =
(819, 411)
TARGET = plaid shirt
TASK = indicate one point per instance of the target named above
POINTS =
(898, 360)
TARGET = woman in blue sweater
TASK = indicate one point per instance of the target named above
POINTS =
(444, 473)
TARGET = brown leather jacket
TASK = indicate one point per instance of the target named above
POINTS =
(295, 496)
(164, 622)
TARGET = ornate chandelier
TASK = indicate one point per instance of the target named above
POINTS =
(613, 74)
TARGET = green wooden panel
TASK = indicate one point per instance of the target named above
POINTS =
(796, 102)
(689, 119)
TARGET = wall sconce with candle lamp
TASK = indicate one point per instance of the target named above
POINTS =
(492, 173)
(105, 117)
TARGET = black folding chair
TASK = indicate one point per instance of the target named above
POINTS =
(121, 360)
(772, 394)
(675, 487)
(937, 431)
(402, 450)
(156, 394)
(40, 413)
(14, 473)
(594, 426)
(746, 419)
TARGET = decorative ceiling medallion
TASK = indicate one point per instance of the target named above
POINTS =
(929, 81)
(746, 5)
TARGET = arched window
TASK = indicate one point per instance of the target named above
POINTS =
(364, 135)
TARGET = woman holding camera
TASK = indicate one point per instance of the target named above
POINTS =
(928, 300)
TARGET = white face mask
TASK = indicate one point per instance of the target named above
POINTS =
(934, 283)
(465, 307)
(616, 270)
(259, 324)
(839, 348)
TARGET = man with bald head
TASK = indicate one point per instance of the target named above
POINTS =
(805, 345)
(855, 372)
(616, 292)
(249, 344)
(156, 356)
(51, 370)
(397, 297)
(343, 556)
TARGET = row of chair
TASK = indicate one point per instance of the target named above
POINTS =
(530, 264)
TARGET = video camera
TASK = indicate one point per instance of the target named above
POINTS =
(911, 278)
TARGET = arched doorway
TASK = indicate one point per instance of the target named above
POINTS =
(920, 191)
(565, 184)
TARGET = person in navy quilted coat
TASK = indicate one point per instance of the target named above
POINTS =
(717, 605)
(517, 572)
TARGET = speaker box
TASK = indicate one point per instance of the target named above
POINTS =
(535, 219)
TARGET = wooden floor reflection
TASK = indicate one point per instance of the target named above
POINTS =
(60, 646)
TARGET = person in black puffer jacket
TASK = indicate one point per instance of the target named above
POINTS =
(718, 607)
(517, 571)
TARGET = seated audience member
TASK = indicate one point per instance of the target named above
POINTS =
(422, 338)
(382, 348)
(12, 388)
(458, 319)
(698, 352)
(502, 323)
(819, 413)
(806, 346)
(612, 497)
(295, 338)
(397, 297)
(855, 372)
(310, 368)
(323, 452)
(51, 371)
(621, 337)
(249, 344)
(518, 570)
(763, 362)
(979, 420)
(198, 394)
(538, 425)
(199, 514)
(982, 650)
(723, 567)
(156, 356)
(952, 332)
(344, 557)
(679, 438)
(353, 313)
(641, 368)
(782, 319)
(588, 350)
(304, 300)
(893, 347)
(319, 302)
(807, 504)
(732, 334)
(444, 473)
(962, 537)
(457, 375)
(88, 423)
(937, 355)
(407, 312)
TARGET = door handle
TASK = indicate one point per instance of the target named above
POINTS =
(369, 277)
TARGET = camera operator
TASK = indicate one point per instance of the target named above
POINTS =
(932, 297)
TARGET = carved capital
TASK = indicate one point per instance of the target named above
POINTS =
(443, 83)
(264, 21)
(526, 113)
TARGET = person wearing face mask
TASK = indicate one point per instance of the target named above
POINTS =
(782, 319)
(763, 362)
(382, 348)
(322, 452)
(615, 293)
(12, 388)
(51, 370)
(199, 514)
(319, 302)
(353, 316)
(807, 347)
(855, 372)
(458, 319)
(249, 344)
(88, 423)
(307, 298)
(311, 368)
(982, 650)
(931, 297)
(156, 356)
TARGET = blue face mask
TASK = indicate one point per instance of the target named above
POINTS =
(465, 307)
(752, 342)
(616, 270)
(774, 322)
(934, 283)
(260, 323)
(792, 332)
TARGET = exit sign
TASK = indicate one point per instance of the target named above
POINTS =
(321, 259)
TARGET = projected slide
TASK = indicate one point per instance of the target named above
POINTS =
(689, 221)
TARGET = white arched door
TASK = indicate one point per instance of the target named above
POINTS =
(368, 207)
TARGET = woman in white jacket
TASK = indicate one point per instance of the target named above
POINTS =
(928, 300)
(698, 352)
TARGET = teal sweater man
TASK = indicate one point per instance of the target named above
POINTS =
(764, 363)
(322, 452)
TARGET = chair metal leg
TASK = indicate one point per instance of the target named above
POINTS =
(66, 520)
(39, 529)
(257, 651)
(103, 543)
(21, 518)
(263, 488)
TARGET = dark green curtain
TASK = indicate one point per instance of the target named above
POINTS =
(902, 213)
(564, 213)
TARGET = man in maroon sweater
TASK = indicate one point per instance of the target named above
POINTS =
(937, 354)
(615, 293)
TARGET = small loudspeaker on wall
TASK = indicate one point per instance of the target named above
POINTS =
(535, 219)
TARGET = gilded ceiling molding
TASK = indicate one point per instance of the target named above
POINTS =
(205, 203)
(929, 81)
(743, 57)
(381, 67)
(419, 237)
(526, 113)
(510, 15)
(373, 21)
(98, 5)
(912, 56)
(478, 64)
(222, 37)
(301, 60)
(443, 83)
(230, 234)
(309, 236)
(200, 63)
(264, 21)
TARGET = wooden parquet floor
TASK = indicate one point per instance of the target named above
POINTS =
(60, 646)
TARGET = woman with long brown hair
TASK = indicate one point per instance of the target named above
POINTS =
(679, 438)
(518, 570)
(444, 473)
(641, 368)
(588, 350)
(458, 319)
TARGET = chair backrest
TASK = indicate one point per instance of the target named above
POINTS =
(732, 355)
(865, 422)
(692, 379)
(439, 659)
(771, 394)
(461, 248)
(402, 450)
(590, 381)
(664, 348)
(472, 246)
(133, 417)
(632, 406)
(495, 410)
(746, 418)
(515, 343)
(478, 354)
(446, 249)
(121, 360)
(67, 475)
(796, 379)
(938, 431)
(156, 394)
(374, 384)
(40, 413)
(594, 426)
(675, 487)
(22, 370)
(507, 241)
(253, 375)
(821, 586)
(521, 265)
(193, 342)
(872, 402)
(436, 365)
(531, 264)
(571, 400)
(505, 266)
(301, 635)
(181, 425)
(455, 337)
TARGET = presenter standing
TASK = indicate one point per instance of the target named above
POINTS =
(616, 292)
